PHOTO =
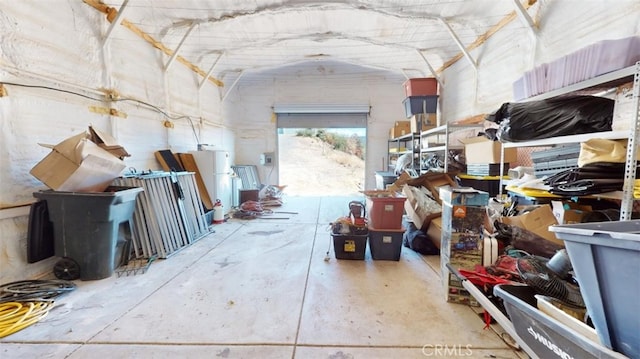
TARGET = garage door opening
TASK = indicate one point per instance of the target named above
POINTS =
(322, 161)
(322, 150)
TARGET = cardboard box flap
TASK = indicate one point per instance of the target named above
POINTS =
(107, 142)
(537, 221)
(77, 164)
(71, 148)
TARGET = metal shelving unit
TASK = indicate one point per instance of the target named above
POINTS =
(445, 131)
(401, 142)
(594, 86)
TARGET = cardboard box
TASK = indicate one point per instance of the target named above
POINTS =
(420, 217)
(461, 243)
(414, 205)
(457, 294)
(569, 212)
(400, 128)
(536, 221)
(434, 232)
(78, 165)
(462, 233)
(433, 182)
(422, 122)
(107, 142)
(481, 150)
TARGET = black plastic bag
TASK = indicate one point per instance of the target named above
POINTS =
(525, 240)
(417, 240)
(524, 121)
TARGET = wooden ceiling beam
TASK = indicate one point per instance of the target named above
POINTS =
(111, 15)
(484, 37)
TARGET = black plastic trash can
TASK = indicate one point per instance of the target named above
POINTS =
(89, 228)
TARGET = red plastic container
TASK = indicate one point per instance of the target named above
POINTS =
(427, 86)
(385, 209)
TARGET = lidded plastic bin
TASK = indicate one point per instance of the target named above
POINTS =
(384, 209)
(385, 244)
(606, 259)
(349, 246)
(546, 336)
(88, 227)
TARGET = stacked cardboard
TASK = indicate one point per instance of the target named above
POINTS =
(78, 164)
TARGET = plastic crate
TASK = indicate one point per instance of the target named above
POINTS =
(424, 86)
(349, 246)
(384, 209)
(487, 169)
(491, 186)
(385, 244)
(606, 259)
(414, 105)
(547, 337)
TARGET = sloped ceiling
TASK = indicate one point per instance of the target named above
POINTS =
(228, 37)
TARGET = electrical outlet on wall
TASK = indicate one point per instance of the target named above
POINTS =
(266, 159)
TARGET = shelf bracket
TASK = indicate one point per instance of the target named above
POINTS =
(232, 86)
(204, 80)
(526, 19)
(177, 50)
(431, 69)
(626, 207)
(459, 43)
(115, 22)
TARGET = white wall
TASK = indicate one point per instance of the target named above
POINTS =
(61, 47)
(249, 105)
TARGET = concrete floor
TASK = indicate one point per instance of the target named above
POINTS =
(262, 289)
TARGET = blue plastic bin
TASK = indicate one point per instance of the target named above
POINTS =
(606, 260)
(544, 335)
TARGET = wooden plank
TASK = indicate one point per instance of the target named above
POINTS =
(111, 15)
(484, 37)
(189, 164)
(168, 161)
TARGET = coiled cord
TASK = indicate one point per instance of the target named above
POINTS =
(15, 316)
(25, 302)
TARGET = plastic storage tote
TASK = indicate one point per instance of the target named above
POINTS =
(547, 337)
(606, 259)
(420, 104)
(87, 228)
(384, 209)
(423, 86)
(385, 244)
(349, 246)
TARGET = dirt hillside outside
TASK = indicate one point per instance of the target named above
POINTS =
(309, 167)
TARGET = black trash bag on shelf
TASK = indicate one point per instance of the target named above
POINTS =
(525, 121)
(524, 240)
(598, 170)
(417, 240)
(592, 178)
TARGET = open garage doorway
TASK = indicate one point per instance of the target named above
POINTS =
(322, 154)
